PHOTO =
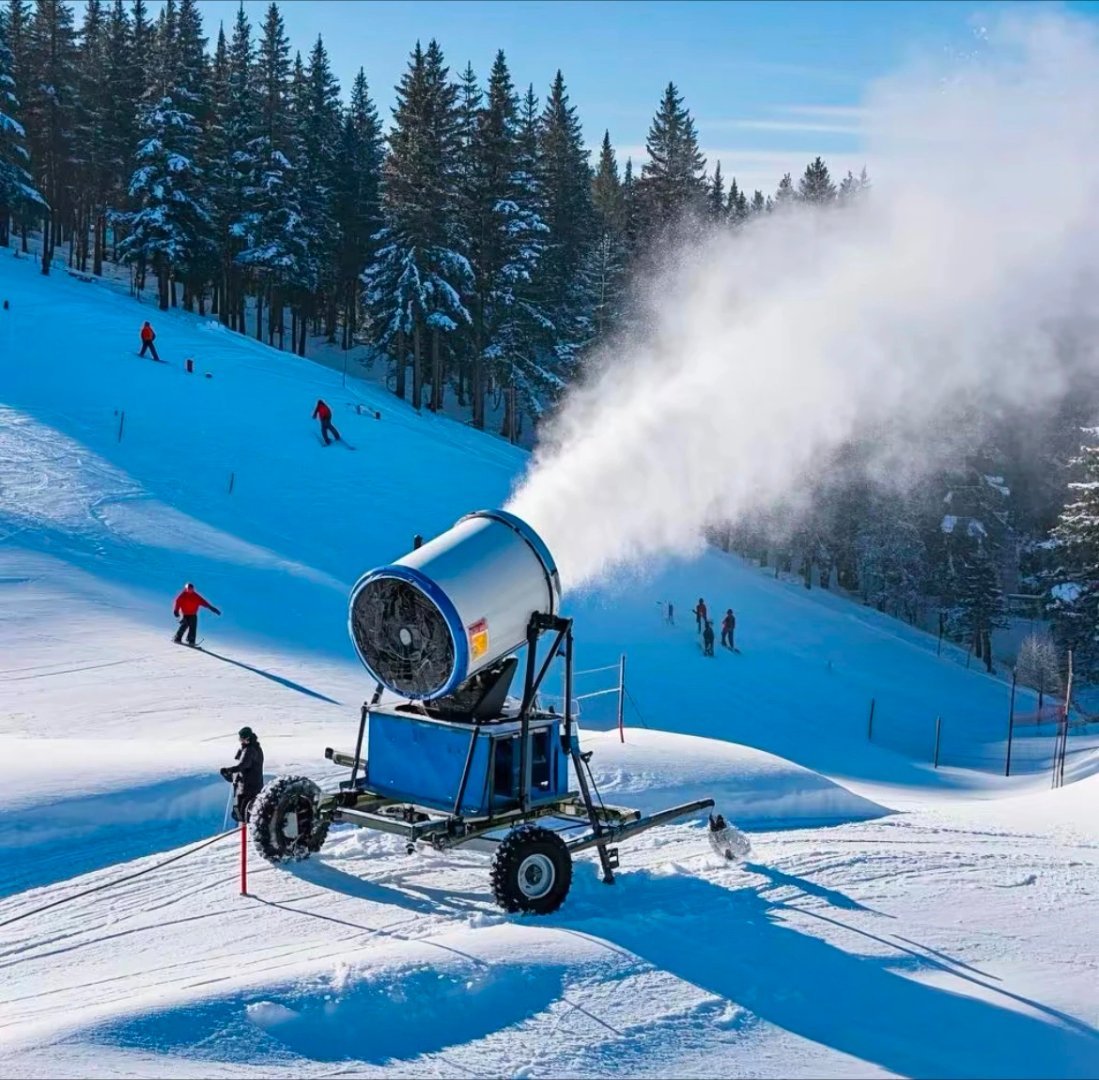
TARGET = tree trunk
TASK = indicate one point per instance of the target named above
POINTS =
(436, 371)
(47, 252)
(162, 285)
(100, 244)
(259, 314)
(478, 389)
(417, 366)
(303, 341)
(401, 353)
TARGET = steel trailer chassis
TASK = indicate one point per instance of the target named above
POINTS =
(534, 838)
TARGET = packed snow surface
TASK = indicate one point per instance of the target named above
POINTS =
(891, 919)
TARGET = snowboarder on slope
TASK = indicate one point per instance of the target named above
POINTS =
(700, 613)
(148, 336)
(324, 414)
(728, 627)
(708, 639)
(186, 610)
(246, 775)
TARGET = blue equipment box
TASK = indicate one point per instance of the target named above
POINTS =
(419, 759)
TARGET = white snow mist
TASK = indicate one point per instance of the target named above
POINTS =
(970, 269)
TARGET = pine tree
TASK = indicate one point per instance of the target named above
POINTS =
(416, 282)
(319, 133)
(980, 600)
(564, 288)
(815, 186)
(1075, 598)
(784, 195)
(505, 246)
(737, 208)
(279, 244)
(672, 186)
(143, 42)
(122, 86)
(357, 205)
(170, 231)
(49, 113)
(716, 207)
(609, 267)
(17, 192)
(631, 215)
(759, 205)
(235, 168)
(852, 188)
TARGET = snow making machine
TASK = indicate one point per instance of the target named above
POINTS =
(457, 759)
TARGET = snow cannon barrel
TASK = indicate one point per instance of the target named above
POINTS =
(426, 623)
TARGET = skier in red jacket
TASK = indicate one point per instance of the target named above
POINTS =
(700, 613)
(186, 610)
(148, 336)
(324, 414)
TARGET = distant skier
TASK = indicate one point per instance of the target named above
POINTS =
(324, 414)
(728, 628)
(708, 639)
(671, 614)
(148, 336)
(186, 609)
(246, 775)
(700, 613)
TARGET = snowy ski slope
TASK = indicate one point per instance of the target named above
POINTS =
(892, 919)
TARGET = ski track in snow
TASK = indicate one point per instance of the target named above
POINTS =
(890, 920)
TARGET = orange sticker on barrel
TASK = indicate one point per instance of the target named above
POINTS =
(478, 639)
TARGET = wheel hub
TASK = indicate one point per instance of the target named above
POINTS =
(536, 876)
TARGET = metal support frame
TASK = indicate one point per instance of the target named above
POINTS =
(608, 824)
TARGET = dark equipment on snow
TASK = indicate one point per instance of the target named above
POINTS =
(458, 760)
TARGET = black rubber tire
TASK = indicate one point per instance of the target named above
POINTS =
(532, 871)
(270, 814)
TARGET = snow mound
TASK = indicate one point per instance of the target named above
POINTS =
(655, 769)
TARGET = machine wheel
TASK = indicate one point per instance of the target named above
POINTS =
(286, 821)
(532, 871)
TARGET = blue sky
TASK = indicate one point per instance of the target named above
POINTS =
(769, 84)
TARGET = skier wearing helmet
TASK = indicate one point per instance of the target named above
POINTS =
(246, 775)
(186, 609)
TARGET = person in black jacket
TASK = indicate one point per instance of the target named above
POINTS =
(246, 775)
(708, 639)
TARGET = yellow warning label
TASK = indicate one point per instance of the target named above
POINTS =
(478, 639)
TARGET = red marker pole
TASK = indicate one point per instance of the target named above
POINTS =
(243, 859)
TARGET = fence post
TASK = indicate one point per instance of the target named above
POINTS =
(121, 421)
(1011, 722)
(870, 724)
(938, 736)
(243, 858)
(621, 696)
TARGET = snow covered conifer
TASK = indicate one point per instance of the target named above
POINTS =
(416, 281)
(49, 104)
(357, 204)
(784, 194)
(170, 229)
(564, 286)
(815, 185)
(716, 208)
(278, 247)
(672, 185)
(609, 258)
(17, 190)
(1075, 599)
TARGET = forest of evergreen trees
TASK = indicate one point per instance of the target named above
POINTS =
(477, 251)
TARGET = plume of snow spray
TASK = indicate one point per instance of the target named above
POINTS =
(971, 270)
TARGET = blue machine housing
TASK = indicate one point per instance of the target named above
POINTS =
(419, 759)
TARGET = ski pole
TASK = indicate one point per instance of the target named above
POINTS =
(228, 806)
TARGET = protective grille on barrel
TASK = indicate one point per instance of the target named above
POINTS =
(402, 636)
